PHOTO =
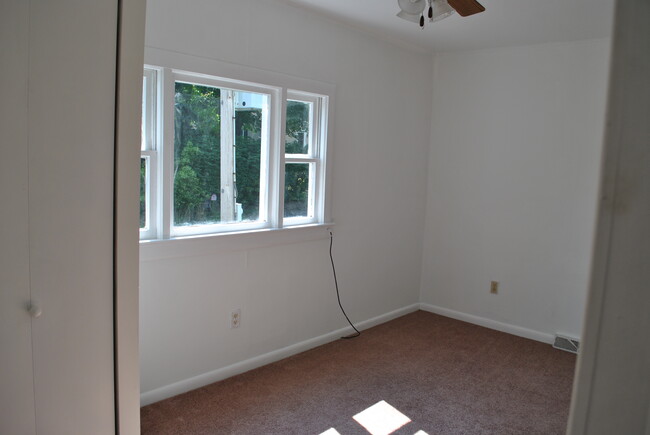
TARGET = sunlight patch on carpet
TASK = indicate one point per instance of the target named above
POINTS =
(331, 431)
(381, 419)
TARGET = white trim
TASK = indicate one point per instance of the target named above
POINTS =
(276, 165)
(326, 148)
(185, 385)
(166, 183)
(270, 123)
(226, 227)
(298, 158)
(126, 215)
(489, 323)
(223, 83)
(219, 243)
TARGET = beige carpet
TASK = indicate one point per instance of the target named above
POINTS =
(446, 376)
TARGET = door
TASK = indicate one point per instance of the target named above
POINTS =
(57, 121)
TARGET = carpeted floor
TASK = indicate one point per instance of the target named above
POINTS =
(446, 376)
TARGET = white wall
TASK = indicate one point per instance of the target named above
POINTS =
(286, 291)
(612, 383)
(512, 184)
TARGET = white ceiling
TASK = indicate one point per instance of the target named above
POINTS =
(504, 23)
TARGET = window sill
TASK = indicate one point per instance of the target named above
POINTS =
(210, 244)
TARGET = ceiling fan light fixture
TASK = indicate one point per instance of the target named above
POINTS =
(412, 7)
(415, 18)
(414, 10)
(439, 9)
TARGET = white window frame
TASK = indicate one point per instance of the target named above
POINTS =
(161, 158)
(315, 157)
(149, 150)
(234, 85)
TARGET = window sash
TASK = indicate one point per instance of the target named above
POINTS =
(149, 110)
(310, 124)
(149, 147)
(315, 157)
(265, 194)
(311, 194)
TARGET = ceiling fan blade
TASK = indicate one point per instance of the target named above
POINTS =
(465, 8)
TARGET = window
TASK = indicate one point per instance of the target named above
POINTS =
(213, 158)
(149, 155)
(220, 158)
(303, 169)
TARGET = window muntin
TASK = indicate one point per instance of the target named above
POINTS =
(221, 163)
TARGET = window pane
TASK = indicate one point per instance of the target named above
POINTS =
(296, 190)
(196, 154)
(144, 177)
(298, 127)
(217, 147)
(248, 146)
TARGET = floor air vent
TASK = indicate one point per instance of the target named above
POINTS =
(566, 343)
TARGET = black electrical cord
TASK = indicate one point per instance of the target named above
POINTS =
(336, 283)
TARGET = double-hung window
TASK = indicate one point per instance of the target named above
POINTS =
(149, 163)
(216, 153)
(303, 162)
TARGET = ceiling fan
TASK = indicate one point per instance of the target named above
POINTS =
(413, 10)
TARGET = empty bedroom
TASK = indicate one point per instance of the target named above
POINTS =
(329, 217)
(352, 224)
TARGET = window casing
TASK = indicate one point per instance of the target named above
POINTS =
(213, 155)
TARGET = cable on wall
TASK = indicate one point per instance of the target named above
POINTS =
(338, 296)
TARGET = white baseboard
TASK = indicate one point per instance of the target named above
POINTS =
(195, 382)
(489, 323)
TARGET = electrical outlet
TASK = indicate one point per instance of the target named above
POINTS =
(494, 287)
(235, 318)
